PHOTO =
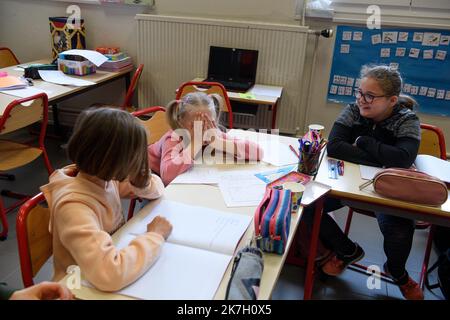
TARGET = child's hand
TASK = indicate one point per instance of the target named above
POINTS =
(210, 129)
(161, 226)
(44, 291)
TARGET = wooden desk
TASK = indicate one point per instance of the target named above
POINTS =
(210, 196)
(346, 188)
(263, 94)
(59, 93)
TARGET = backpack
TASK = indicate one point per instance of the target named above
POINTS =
(443, 266)
(299, 252)
(441, 241)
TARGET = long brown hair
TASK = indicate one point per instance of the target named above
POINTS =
(111, 145)
(176, 110)
(390, 81)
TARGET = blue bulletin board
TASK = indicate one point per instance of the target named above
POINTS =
(421, 55)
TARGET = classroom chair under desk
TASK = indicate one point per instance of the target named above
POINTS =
(15, 154)
(432, 143)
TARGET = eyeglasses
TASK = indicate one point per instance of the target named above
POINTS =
(367, 97)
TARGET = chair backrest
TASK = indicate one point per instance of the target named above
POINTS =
(33, 237)
(208, 88)
(132, 87)
(18, 115)
(7, 58)
(432, 141)
(156, 126)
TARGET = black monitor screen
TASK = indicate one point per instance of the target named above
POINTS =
(232, 64)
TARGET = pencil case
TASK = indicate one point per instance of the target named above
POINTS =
(272, 220)
(410, 185)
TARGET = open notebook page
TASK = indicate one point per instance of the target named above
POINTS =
(181, 273)
(197, 227)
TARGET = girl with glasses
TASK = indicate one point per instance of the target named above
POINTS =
(379, 129)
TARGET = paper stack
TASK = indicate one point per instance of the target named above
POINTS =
(11, 83)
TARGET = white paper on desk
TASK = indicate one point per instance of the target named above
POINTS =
(93, 56)
(368, 172)
(313, 191)
(26, 92)
(198, 227)
(58, 77)
(242, 189)
(433, 166)
(198, 175)
(181, 273)
(275, 152)
(262, 90)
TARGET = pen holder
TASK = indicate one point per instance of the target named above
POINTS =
(308, 162)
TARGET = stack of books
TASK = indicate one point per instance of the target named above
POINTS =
(117, 61)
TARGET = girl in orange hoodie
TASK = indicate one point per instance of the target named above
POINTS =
(109, 150)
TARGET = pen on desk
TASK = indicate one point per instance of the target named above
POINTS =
(341, 167)
(293, 150)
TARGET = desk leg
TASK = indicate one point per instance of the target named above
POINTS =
(127, 82)
(56, 123)
(274, 114)
(426, 258)
(309, 281)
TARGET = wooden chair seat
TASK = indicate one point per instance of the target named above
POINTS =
(14, 155)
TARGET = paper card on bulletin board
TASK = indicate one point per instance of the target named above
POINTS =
(421, 55)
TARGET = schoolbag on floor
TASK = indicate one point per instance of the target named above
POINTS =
(443, 266)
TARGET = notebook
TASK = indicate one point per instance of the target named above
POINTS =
(234, 68)
(196, 255)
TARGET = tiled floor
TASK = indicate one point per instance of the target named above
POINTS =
(350, 285)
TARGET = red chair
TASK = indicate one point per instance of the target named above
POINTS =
(208, 88)
(15, 154)
(432, 143)
(156, 127)
(33, 237)
(127, 105)
(7, 58)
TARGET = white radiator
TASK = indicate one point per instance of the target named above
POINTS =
(176, 49)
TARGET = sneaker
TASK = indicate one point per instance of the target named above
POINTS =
(410, 290)
(335, 266)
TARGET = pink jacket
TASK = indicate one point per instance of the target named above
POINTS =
(85, 211)
(168, 159)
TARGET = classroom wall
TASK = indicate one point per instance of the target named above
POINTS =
(24, 28)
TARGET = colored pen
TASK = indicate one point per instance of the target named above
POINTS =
(293, 150)
(341, 167)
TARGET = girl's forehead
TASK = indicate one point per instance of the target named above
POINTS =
(370, 84)
(202, 109)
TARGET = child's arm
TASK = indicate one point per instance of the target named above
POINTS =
(402, 153)
(340, 146)
(175, 159)
(241, 149)
(102, 264)
(154, 189)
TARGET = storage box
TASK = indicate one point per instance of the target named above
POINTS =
(75, 65)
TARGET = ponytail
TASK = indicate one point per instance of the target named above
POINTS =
(407, 102)
(172, 110)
